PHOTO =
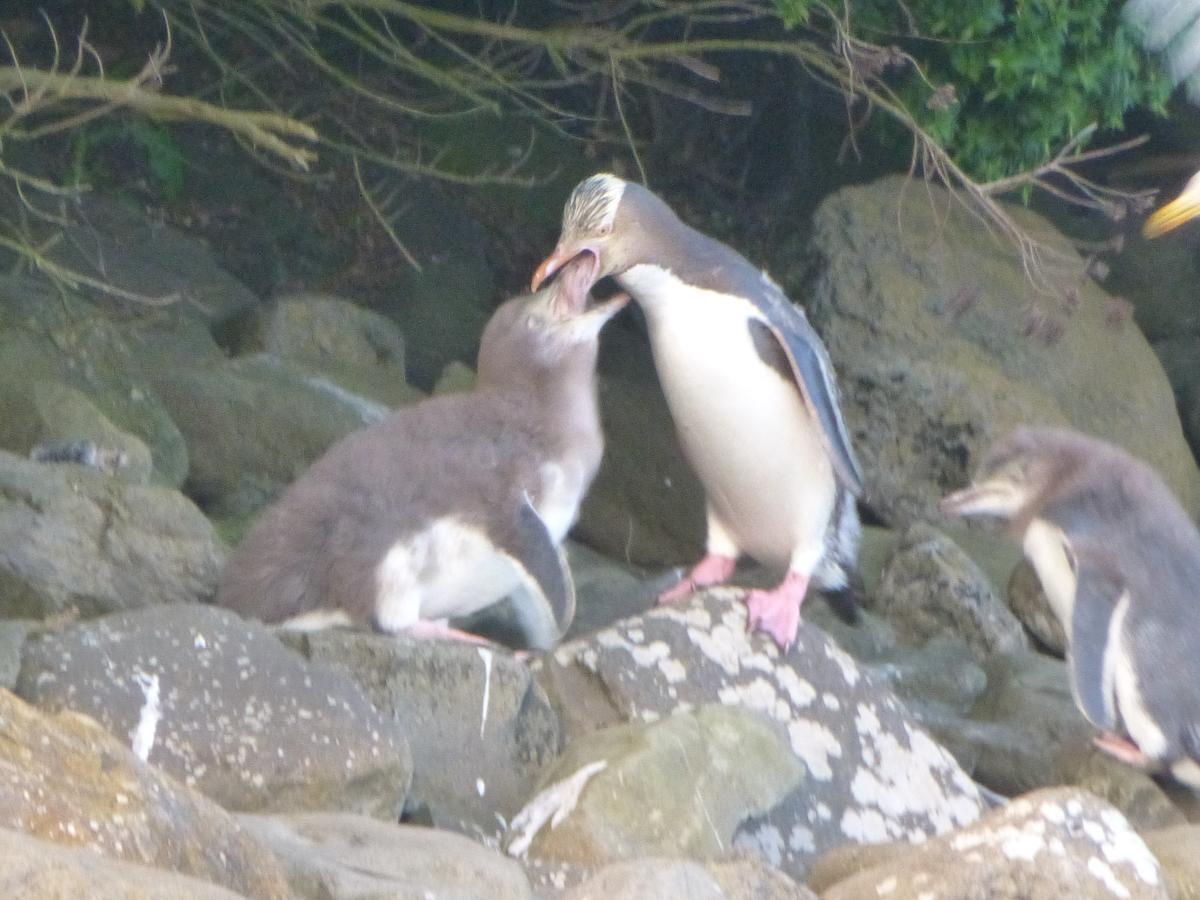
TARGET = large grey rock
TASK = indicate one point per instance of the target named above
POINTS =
(649, 878)
(222, 705)
(745, 878)
(63, 415)
(871, 773)
(924, 314)
(117, 244)
(39, 870)
(479, 727)
(1177, 850)
(69, 781)
(931, 587)
(1026, 730)
(50, 340)
(1043, 846)
(331, 856)
(678, 787)
(354, 348)
(1180, 356)
(1149, 273)
(72, 539)
(253, 425)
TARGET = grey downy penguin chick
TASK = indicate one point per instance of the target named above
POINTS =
(1120, 564)
(450, 505)
(750, 387)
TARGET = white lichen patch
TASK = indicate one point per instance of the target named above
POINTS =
(845, 662)
(1123, 845)
(800, 840)
(814, 744)
(1098, 841)
(1103, 871)
(904, 781)
(799, 691)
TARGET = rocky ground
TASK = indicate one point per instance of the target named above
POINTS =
(154, 745)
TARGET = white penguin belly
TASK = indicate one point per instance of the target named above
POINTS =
(744, 428)
(563, 487)
(1138, 722)
(449, 569)
(1045, 547)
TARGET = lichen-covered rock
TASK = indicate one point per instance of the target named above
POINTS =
(649, 878)
(40, 870)
(678, 787)
(69, 781)
(49, 338)
(747, 877)
(1043, 846)
(1177, 850)
(330, 856)
(931, 587)
(74, 540)
(222, 705)
(942, 344)
(871, 773)
(744, 878)
(480, 728)
(1132, 791)
(1028, 602)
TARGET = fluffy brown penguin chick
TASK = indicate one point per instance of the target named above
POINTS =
(1120, 564)
(450, 505)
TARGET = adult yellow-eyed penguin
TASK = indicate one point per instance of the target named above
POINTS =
(447, 506)
(750, 388)
(1120, 563)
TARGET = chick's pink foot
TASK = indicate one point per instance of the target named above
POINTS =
(777, 611)
(1123, 749)
(713, 569)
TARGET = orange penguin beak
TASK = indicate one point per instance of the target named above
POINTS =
(1182, 209)
(561, 256)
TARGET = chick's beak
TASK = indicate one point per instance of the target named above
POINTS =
(1182, 209)
(563, 253)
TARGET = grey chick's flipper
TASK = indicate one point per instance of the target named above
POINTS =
(545, 602)
(1089, 651)
(815, 377)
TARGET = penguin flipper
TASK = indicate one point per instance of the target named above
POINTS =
(813, 373)
(1089, 654)
(546, 604)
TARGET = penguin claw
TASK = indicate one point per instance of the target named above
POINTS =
(713, 569)
(777, 611)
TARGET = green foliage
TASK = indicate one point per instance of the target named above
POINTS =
(1006, 83)
(157, 145)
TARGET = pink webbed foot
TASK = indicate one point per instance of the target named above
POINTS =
(439, 629)
(777, 611)
(1123, 749)
(713, 569)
